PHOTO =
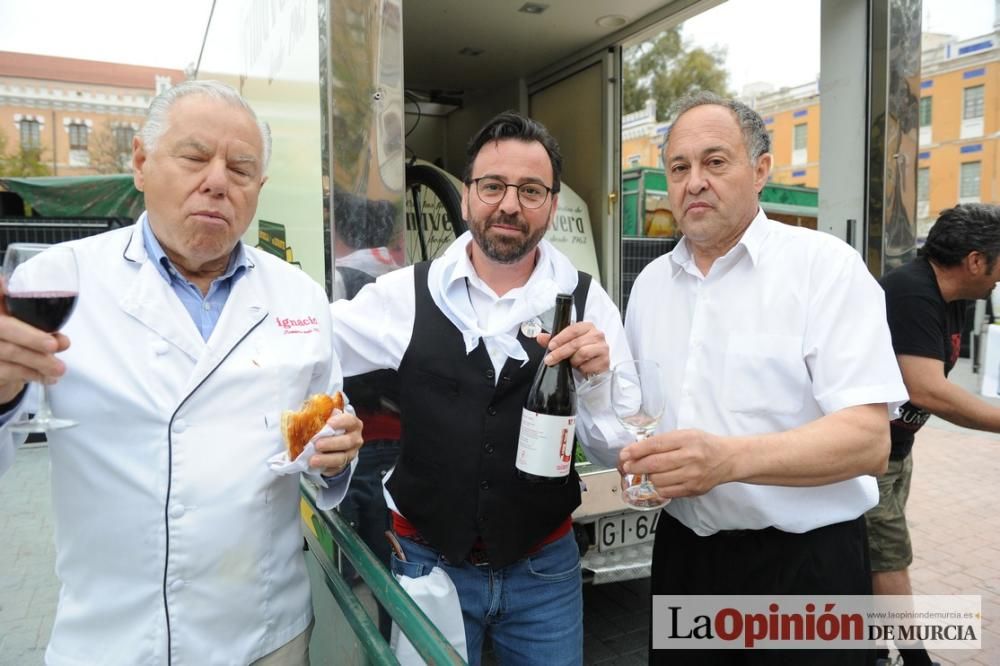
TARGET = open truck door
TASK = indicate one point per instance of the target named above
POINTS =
(581, 100)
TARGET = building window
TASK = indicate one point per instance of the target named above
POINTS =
(123, 135)
(923, 193)
(972, 106)
(800, 136)
(78, 136)
(923, 184)
(968, 187)
(634, 161)
(31, 135)
(925, 111)
(162, 84)
(924, 138)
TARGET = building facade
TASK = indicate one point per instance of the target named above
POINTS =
(642, 138)
(959, 127)
(79, 116)
(792, 118)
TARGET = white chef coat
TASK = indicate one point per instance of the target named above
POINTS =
(372, 331)
(174, 541)
(788, 326)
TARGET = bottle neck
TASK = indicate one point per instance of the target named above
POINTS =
(562, 314)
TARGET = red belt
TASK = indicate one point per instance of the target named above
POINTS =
(404, 528)
(380, 425)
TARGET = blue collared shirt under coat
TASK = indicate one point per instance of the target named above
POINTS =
(206, 309)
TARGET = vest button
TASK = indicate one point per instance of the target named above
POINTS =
(485, 485)
(491, 410)
(490, 374)
(489, 448)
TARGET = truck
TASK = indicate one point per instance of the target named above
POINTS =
(370, 103)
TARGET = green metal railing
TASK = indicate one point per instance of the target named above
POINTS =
(331, 537)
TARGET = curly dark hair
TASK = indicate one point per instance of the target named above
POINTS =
(963, 229)
(512, 125)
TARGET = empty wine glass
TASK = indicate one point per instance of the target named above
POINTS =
(638, 399)
(41, 292)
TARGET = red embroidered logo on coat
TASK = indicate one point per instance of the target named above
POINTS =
(302, 325)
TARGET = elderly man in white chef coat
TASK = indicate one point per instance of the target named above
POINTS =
(176, 543)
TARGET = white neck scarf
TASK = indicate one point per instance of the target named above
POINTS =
(446, 280)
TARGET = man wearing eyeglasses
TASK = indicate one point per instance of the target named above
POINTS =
(452, 328)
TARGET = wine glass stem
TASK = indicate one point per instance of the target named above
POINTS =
(642, 477)
(44, 414)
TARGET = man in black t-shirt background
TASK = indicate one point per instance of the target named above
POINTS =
(925, 304)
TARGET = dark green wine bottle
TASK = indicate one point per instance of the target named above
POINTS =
(548, 421)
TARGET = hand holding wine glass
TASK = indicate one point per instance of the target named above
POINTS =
(638, 400)
(41, 292)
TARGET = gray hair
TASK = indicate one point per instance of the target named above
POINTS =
(755, 134)
(156, 118)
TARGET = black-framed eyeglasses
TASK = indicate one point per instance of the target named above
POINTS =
(492, 190)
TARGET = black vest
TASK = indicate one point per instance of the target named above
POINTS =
(455, 479)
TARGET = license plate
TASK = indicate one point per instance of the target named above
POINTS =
(626, 529)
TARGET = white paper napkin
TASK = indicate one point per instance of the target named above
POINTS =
(281, 465)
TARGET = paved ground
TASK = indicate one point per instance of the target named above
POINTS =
(28, 587)
(955, 529)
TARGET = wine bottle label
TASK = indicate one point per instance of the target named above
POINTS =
(545, 446)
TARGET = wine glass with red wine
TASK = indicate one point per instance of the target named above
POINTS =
(40, 289)
(638, 399)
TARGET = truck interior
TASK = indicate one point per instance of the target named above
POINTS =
(562, 63)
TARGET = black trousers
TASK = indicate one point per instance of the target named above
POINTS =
(828, 560)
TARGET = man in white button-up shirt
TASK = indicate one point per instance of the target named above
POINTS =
(780, 381)
(175, 542)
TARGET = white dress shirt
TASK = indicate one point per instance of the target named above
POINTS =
(373, 330)
(787, 327)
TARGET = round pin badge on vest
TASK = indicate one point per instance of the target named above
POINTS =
(531, 328)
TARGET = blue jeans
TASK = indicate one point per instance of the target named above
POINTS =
(532, 609)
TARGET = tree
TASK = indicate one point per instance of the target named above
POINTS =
(25, 162)
(3, 153)
(109, 151)
(662, 68)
